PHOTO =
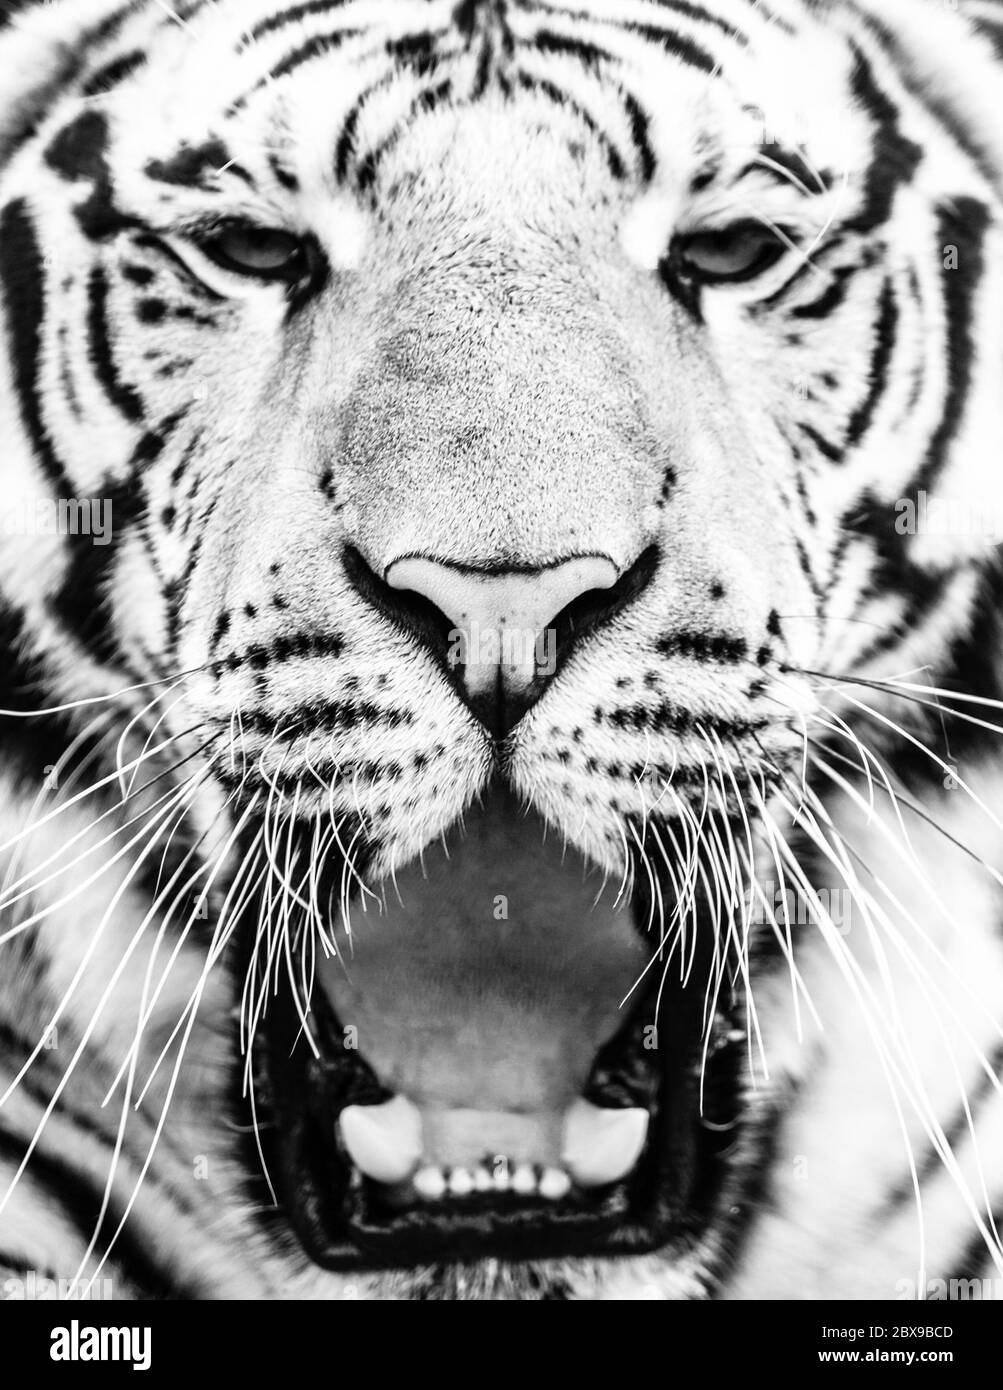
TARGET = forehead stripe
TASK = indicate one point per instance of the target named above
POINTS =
(290, 16)
(654, 32)
(591, 54)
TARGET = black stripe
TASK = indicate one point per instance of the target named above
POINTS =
(78, 151)
(66, 384)
(943, 111)
(79, 1202)
(85, 602)
(485, 63)
(640, 129)
(964, 225)
(29, 745)
(823, 445)
(591, 54)
(881, 361)
(191, 281)
(992, 29)
(807, 271)
(894, 159)
(289, 16)
(191, 166)
(314, 48)
(701, 16)
(975, 1258)
(417, 51)
(676, 719)
(955, 1130)
(789, 162)
(703, 646)
(561, 98)
(114, 72)
(284, 176)
(37, 109)
(346, 138)
(805, 565)
(678, 45)
(120, 393)
(426, 102)
(833, 297)
(653, 32)
(916, 295)
(21, 274)
(893, 573)
(802, 490)
(302, 644)
(319, 714)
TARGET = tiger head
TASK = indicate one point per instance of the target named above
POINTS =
(504, 413)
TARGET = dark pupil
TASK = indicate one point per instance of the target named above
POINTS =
(257, 247)
(733, 249)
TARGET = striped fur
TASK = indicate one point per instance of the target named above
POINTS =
(501, 332)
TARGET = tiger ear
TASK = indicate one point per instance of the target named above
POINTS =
(42, 47)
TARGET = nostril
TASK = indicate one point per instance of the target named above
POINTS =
(411, 612)
(595, 609)
(500, 635)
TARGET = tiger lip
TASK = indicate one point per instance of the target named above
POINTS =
(346, 1220)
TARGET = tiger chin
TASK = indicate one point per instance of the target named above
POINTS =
(500, 793)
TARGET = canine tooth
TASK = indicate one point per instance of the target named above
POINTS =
(524, 1179)
(483, 1182)
(384, 1140)
(429, 1182)
(602, 1146)
(501, 1177)
(554, 1184)
(461, 1182)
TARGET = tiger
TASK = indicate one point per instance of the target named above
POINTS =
(500, 611)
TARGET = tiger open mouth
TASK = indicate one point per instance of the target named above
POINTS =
(505, 1062)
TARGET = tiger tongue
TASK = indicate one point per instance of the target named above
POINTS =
(489, 981)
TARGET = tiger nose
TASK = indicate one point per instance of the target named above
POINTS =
(503, 637)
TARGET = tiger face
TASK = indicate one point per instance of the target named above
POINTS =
(504, 408)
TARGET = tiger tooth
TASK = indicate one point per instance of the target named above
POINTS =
(482, 1180)
(601, 1146)
(384, 1141)
(524, 1180)
(461, 1182)
(554, 1184)
(501, 1178)
(429, 1183)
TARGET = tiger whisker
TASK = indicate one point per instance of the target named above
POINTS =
(149, 737)
(96, 1012)
(219, 942)
(99, 785)
(144, 1012)
(31, 877)
(166, 917)
(940, 1009)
